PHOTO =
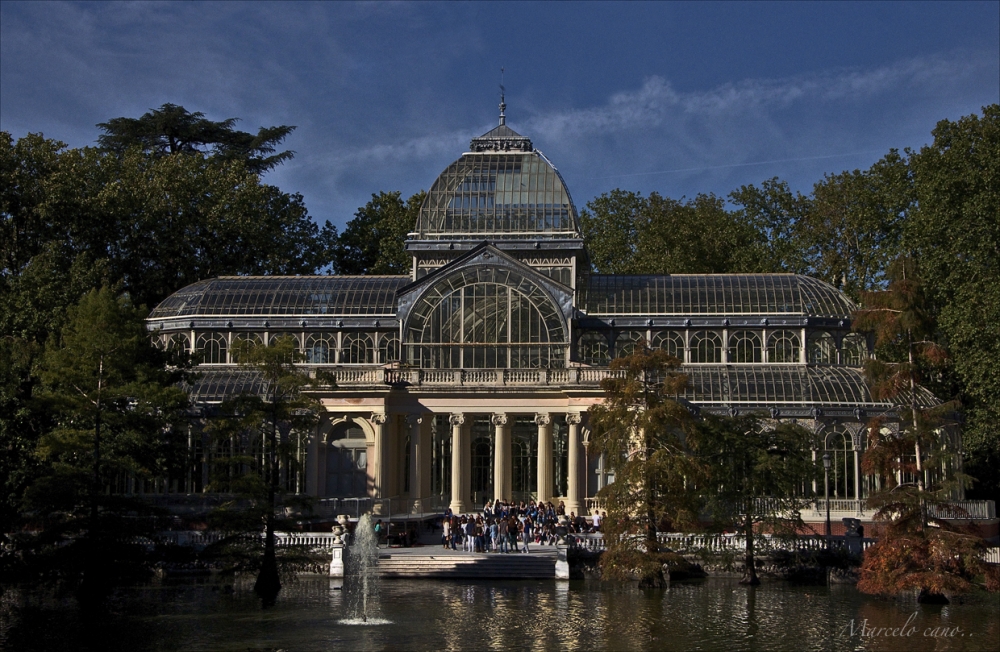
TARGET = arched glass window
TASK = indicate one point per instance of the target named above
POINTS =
(670, 341)
(174, 342)
(822, 348)
(706, 346)
(593, 348)
(854, 350)
(783, 346)
(359, 348)
(243, 342)
(628, 342)
(840, 447)
(346, 462)
(320, 348)
(276, 338)
(212, 347)
(485, 317)
(388, 348)
(744, 347)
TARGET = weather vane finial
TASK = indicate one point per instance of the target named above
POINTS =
(503, 105)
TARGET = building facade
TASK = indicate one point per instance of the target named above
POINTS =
(471, 378)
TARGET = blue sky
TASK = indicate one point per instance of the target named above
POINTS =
(674, 97)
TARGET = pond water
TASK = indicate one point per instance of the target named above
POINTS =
(311, 614)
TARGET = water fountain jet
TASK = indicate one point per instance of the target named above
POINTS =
(361, 581)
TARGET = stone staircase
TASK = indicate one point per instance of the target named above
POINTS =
(473, 566)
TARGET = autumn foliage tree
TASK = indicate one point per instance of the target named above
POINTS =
(919, 549)
(641, 429)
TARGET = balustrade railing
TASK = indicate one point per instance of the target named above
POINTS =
(764, 544)
(358, 375)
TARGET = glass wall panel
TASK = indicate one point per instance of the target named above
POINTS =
(482, 460)
(706, 346)
(745, 347)
(840, 447)
(822, 348)
(242, 343)
(670, 341)
(854, 350)
(212, 347)
(388, 348)
(593, 348)
(524, 458)
(358, 348)
(783, 346)
(629, 342)
(441, 456)
(485, 318)
(320, 348)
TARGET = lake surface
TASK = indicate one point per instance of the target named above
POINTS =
(313, 614)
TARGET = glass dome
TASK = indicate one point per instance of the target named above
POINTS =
(502, 189)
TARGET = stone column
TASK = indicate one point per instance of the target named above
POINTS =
(573, 501)
(544, 422)
(457, 453)
(377, 463)
(501, 458)
(414, 421)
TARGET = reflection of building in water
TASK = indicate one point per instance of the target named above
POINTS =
(471, 377)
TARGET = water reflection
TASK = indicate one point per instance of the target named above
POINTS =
(495, 615)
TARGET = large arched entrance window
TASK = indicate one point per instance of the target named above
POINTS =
(346, 462)
(485, 317)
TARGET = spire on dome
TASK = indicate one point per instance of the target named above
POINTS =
(503, 105)
(501, 138)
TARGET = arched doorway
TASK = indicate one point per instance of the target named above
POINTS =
(346, 462)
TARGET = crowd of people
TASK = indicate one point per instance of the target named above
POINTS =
(505, 527)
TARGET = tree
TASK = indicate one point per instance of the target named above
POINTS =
(160, 221)
(955, 234)
(373, 242)
(918, 548)
(772, 213)
(610, 226)
(852, 229)
(626, 233)
(641, 428)
(116, 410)
(172, 129)
(755, 476)
(281, 408)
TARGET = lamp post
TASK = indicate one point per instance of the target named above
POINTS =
(826, 493)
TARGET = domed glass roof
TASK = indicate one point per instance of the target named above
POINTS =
(502, 189)
(284, 295)
(712, 294)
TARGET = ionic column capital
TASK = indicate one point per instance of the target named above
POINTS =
(377, 418)
(499, 420)
(414, 420)
(456, 419)
(543, 418)
(574, 418)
